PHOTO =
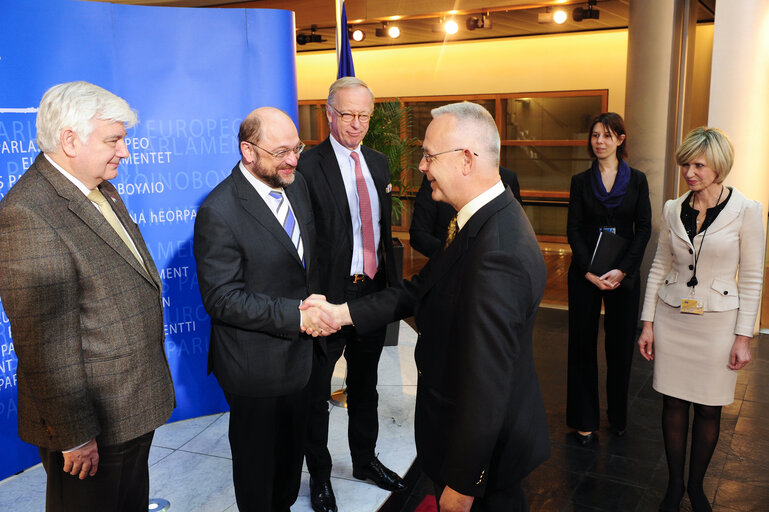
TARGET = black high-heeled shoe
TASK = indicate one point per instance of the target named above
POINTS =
(670, 504)
(584, 439)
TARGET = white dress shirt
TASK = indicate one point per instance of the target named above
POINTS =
(347, 166)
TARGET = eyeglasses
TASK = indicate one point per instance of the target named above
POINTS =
(429, 158)
(347, 117)
(281, 153)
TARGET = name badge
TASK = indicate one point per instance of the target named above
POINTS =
(691, 306)
(608, 229)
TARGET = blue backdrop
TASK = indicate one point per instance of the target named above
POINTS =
(192, 74)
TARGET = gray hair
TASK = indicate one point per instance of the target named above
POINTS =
(345, 83)
(73, 105)
(474, 120)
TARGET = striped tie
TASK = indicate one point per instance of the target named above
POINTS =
(286, 218)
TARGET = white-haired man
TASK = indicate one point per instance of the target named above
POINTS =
(480, 422)
(84, 300)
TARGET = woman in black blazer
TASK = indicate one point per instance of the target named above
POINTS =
(613, 197)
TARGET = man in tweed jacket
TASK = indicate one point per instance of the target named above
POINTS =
(85, 309)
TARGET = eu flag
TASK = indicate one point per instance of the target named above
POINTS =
(345, 66)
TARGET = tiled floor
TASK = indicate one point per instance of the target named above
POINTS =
(630, 473)
(190, 462)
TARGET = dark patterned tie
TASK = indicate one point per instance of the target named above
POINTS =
(452, 232)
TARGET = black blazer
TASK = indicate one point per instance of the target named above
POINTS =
(480, 421)
(431, 218)
(632, 218)
(320, 168)
(252, 282)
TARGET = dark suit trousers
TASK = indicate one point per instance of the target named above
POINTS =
(267, 444)
(121, 483)
(509, 499)
(361, 351)
(620, 323)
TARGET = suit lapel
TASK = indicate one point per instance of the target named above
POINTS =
(85, 211)
(109, 191)
(730, 212)
(253, 203)
(381, 177)
(445, 260)
(674, 220)
(333, 174)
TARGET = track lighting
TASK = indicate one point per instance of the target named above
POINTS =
(558, 16)
(451, 27)
(580, 13)
(392, 31)
(473, 22)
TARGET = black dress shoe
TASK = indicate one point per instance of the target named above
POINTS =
(584, 439)
(380, 475)
(322, 496)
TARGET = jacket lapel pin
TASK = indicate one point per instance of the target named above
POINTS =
(389, 188)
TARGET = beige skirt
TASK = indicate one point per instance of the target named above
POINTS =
(691, 354)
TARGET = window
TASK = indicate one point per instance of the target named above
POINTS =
(543, 135)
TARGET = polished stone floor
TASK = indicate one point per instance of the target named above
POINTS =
(191, 465)
(190, 460)
(630, 473)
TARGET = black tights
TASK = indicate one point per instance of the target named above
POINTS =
(675, 429)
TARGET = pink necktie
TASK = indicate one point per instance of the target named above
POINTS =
(367, 225)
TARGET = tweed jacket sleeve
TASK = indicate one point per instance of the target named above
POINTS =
(39, 287)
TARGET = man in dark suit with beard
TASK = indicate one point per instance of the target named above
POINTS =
(480, 422)
(255, 252)
(350, 189)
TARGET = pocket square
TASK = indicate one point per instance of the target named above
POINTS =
(389, 188)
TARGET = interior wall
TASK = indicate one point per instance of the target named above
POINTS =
(588, 60)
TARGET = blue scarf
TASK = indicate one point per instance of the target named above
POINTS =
(614, 198)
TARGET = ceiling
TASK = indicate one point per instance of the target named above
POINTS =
(419, 20)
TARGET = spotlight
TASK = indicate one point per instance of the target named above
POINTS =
(303, 39)
(357, 35)
(558, 16)
(474, 22)
(392, 31)
(451, 27)
(580, 13)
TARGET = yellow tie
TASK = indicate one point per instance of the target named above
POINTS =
(451, 233)
(106, 209)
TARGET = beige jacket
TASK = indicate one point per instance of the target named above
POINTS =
(730, 265)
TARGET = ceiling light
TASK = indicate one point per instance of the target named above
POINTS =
(303, 39)
(474, 22)
(580, 13)
(394, 32)
(451, 27)
(357, 35)
(559, 17)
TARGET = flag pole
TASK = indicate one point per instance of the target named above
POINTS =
(339, 4)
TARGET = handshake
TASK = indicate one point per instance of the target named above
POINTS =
(321, 318)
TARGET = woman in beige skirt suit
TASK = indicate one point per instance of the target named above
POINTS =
(700, 307)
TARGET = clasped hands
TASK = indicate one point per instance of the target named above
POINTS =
(609, 281)
(321, 318)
